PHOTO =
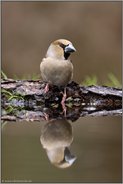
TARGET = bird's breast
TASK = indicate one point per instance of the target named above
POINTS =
(58, 72)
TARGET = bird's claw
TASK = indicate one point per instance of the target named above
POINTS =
(46, 89)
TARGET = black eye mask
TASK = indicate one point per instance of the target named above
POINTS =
(66, 55)
(62, 45)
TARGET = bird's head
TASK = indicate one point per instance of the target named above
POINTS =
(60, 49)
(61, 157)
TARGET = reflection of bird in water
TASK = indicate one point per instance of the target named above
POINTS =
(56, 137)
(56, 68)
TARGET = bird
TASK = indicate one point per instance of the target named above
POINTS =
(56, 138)
(56, 68)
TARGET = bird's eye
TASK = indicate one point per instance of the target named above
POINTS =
(62, 45)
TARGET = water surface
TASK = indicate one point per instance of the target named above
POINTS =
(96, 144)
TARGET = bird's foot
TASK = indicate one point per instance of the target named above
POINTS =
(64, 109)
(46, 116)
(46, 89)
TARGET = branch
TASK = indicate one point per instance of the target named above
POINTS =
(28, 100)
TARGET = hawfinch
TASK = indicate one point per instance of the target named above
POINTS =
(56, 68)
(56, 138)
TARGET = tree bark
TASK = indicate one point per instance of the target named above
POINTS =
(28, 97)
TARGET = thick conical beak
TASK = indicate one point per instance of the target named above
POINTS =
(68, 157)
(70, 48)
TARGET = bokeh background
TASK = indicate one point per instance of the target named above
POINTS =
(94, 28)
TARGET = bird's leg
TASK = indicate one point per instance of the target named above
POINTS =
(63, 101)
(46, 89)
(46, 116)
(64, 96)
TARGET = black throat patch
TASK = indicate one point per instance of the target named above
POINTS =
(66, 55)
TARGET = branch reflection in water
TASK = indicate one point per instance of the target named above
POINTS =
(56, 138)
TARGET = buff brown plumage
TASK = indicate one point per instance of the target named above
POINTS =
(56, 68)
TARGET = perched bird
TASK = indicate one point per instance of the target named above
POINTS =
(56, 68)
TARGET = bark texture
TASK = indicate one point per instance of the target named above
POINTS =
(27, 100)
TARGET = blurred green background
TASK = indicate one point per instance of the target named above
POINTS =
(94, 28)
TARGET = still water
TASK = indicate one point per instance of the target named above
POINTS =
(87, 150)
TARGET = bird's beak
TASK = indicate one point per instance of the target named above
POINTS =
(68, 157)
(70, 48)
